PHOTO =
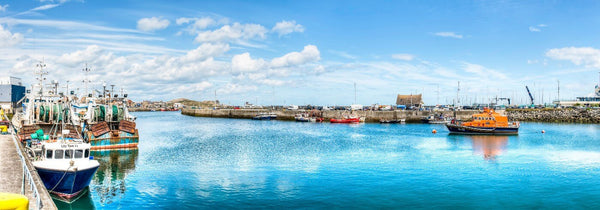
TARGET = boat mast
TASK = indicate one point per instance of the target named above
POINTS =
(457, 95)
(86, 81)
(355, 93)
(40, 73)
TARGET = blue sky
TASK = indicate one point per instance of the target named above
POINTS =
(309, 52)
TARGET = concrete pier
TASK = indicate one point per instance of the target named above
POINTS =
(11, 174)
(411, 116)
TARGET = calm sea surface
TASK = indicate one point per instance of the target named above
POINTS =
(188, 162)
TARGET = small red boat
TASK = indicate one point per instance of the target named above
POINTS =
(346, 120)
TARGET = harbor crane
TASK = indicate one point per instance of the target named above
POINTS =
(530, 96)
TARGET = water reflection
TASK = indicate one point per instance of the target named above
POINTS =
(489, 146)
(115, 165)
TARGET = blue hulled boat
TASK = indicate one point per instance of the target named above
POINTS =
(66, 167)
(265, 116)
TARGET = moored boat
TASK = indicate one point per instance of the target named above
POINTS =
(436, 119)
(265, 116)
(487, 122)
(65, 166)
(345, 120)
(388, 121)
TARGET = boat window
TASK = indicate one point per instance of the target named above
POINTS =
(68, 154)
(59, 154)
(78, 153)
(49, 154)
(87, 153)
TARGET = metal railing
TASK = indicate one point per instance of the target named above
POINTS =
(26, 173)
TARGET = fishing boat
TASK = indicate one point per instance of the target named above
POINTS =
(487, 122)
(345, 119)
(105, 119)
(65, 166)
(108, 125)
(265, 116)
(306, 117)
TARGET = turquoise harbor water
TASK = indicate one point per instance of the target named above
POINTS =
(195, 163)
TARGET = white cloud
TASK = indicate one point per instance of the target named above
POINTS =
(3, 8)
(152, 24)
(92, 53)
(404, 57)
(310, 53)
(449, 34)
(286, 27)
(590, 57)
(205, 51)
(244, 63)
(197, 24)
(229, 33)
(8, 39)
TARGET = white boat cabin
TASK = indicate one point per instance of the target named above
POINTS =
(66, 150)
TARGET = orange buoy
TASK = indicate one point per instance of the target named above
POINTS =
(433, 131)
(543, 131)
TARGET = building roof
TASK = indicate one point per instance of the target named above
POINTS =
(409, 100)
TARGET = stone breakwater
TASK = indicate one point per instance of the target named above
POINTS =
(555, 115)
(411, 116)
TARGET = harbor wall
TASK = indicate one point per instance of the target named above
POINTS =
(411, 116)
(555, 115)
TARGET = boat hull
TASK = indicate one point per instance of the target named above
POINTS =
(69, 186)
(263, 118)
(123, 140)
(349, 120)
(459, 129)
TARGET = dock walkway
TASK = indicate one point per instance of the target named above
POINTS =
(11, 174)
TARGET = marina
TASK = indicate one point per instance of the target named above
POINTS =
(283, 164)
(299, 105)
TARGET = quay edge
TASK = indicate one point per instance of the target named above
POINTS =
(411, 116)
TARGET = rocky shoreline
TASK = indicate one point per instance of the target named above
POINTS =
(555, 115)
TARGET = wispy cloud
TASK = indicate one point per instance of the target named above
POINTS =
(44, 7)
(537, 28)
(449, 34)
(63, 25)
(404, 57)
(3, 8)
(343, 54)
